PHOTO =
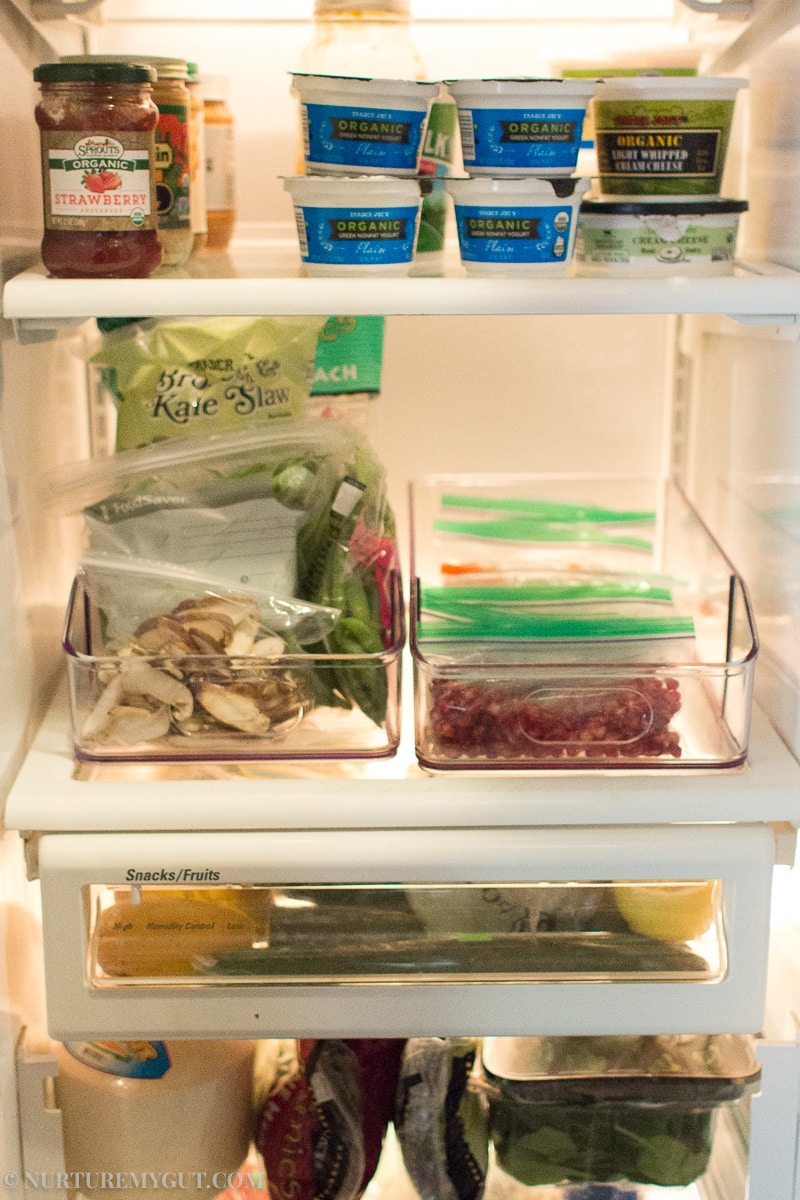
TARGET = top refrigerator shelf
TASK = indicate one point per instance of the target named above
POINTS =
(265, 278)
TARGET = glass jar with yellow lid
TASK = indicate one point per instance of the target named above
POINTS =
(173, 169)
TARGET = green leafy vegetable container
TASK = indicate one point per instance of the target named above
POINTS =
(639, 1110)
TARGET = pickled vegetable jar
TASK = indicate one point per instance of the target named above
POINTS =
(97, 123)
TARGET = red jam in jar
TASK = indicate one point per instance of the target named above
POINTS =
(97, 123)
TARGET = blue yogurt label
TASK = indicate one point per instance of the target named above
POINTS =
(380, 139)
(356, 236)
(513, 235)
(532, 139)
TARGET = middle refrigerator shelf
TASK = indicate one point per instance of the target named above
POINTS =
(262, 278)
(51, 795)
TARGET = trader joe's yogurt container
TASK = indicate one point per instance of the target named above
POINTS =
(355, 226)
(520, 126)
(516, 226)
(663, 135)
(657, 237)
(355, 126)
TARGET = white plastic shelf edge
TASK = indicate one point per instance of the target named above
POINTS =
(258, 281)
(393, 794)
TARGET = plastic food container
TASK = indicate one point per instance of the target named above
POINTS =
(516, 226)
(357, 126)
(378, 933)
(355, 226)
(520, 126)
(663, 135)
(657, 237)
(641, 1110)
(289, 690)
(574, 623)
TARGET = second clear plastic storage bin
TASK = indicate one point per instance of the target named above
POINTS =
(574, 622)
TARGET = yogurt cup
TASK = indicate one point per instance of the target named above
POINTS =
(516, 226)
(355, 226)
(657, 237)
(512, 127)
(360, 126)
(663, 135)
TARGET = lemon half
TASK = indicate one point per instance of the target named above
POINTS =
(670, 912)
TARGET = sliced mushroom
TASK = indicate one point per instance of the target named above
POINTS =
(268, 647)
(130, 724)
(235, 705)
(140, 679)
(244, 635)
(99, 717)
(162, 635)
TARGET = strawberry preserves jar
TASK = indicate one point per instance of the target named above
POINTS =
(97, 123)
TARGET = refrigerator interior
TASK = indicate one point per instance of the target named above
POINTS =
(692, 393)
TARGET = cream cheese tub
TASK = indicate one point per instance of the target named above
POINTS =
(360, 126)
(355, 226)
(663, 135)
(516, 226)
(658, 237)
(520, 126)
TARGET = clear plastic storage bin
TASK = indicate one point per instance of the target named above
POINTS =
(574, 622)
(636, 1110)
(309, 705)
(151, 935)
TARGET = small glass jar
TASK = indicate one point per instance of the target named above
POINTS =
(197, 159)
(97, 126)
(173, 169)
(220, 178)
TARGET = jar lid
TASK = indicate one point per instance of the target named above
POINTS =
(94, 72)
(165, 67)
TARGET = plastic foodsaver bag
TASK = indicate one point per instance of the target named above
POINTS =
(188, 376)
(128, 591)
(298, 511)
(233, 506)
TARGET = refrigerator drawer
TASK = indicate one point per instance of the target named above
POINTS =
(407, 932)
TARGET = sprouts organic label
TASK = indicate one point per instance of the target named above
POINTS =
(98, 181)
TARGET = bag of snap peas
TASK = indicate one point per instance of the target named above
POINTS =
(299, 510)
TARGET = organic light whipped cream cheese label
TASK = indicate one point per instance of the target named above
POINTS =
(98, 180)
(355, 236)
(529, 139)
(131, 1060)
(377, 139)
(654, 145)
(522, 234)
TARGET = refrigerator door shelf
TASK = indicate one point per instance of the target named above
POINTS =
(265, 279)
(338, 933)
